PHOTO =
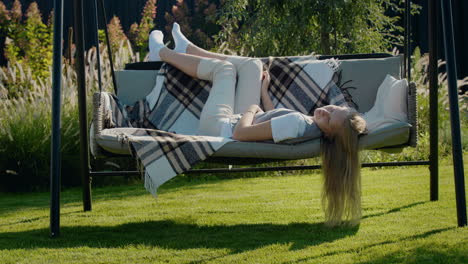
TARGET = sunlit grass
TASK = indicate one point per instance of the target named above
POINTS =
(251, 220)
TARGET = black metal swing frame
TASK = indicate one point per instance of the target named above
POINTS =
(433, 14)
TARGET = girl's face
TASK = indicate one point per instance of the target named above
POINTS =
(330, 119)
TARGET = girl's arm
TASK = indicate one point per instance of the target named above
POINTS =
(246, 131)
(266, 100)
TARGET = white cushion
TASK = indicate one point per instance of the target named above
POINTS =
(390, 104)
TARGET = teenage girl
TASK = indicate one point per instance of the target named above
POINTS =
(232, 110)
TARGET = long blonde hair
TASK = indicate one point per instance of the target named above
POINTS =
(341, 194)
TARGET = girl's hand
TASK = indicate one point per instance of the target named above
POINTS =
(265, 81)
(255, 109)
(266, 100)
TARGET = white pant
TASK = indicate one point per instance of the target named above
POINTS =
(225, 97)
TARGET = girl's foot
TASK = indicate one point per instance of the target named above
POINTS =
(181, 42)
(155, 45)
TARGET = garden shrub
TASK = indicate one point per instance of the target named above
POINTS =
(28, 41)
(25, 121)
(25, 131)
(116, 33)
(139, 33)
(198, 23)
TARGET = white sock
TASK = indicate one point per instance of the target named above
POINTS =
(181, 42)
(155, 45)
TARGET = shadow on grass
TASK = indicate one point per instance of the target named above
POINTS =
(11, 202)
(175, 235)
(431, 253)
(33, 219)
(418, 255)
(395, 210)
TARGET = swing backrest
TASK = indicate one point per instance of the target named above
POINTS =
(365, 75)
(362, 75)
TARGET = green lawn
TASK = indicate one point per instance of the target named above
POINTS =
(249, 220)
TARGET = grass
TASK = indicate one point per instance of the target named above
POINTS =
(248, 220)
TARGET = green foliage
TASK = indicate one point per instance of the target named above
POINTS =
(281, 28)
(116, 34)
(25, 132)
(25, 100)
(198, 23)
(25, 122)
(139, 33)
(28, 40)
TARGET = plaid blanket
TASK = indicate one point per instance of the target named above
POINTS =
(163, 154)
(163, 135)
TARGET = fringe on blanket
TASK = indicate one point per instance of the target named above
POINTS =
(334, 64)
(125, 140)
(149, 186)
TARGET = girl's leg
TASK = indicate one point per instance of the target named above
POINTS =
(249, 77)
(249, 82)
(183, 45)
(195, 50)
(249, 70)
(220, 101)
(184, 62)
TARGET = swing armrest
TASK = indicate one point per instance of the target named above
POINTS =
(98, 124)
(412, 114)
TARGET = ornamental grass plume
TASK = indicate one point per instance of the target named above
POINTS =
(146, 25)
(138, 34)
(116, 33)
(29, 40)
(33, 14)
(25, 118)
(147, 16)
(133, 33)
(15, 13)
(4, 15)
(37, 42)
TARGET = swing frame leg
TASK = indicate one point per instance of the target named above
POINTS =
(457, 154)
(81, 81)
(433, 100)
(55, 173)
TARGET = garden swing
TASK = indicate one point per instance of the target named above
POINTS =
(367, 71)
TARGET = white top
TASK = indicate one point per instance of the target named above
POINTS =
(287, 126)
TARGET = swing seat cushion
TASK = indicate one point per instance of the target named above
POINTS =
(392, 135)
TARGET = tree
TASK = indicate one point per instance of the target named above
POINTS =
(293, 27)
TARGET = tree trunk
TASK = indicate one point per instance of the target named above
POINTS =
(325, 42)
